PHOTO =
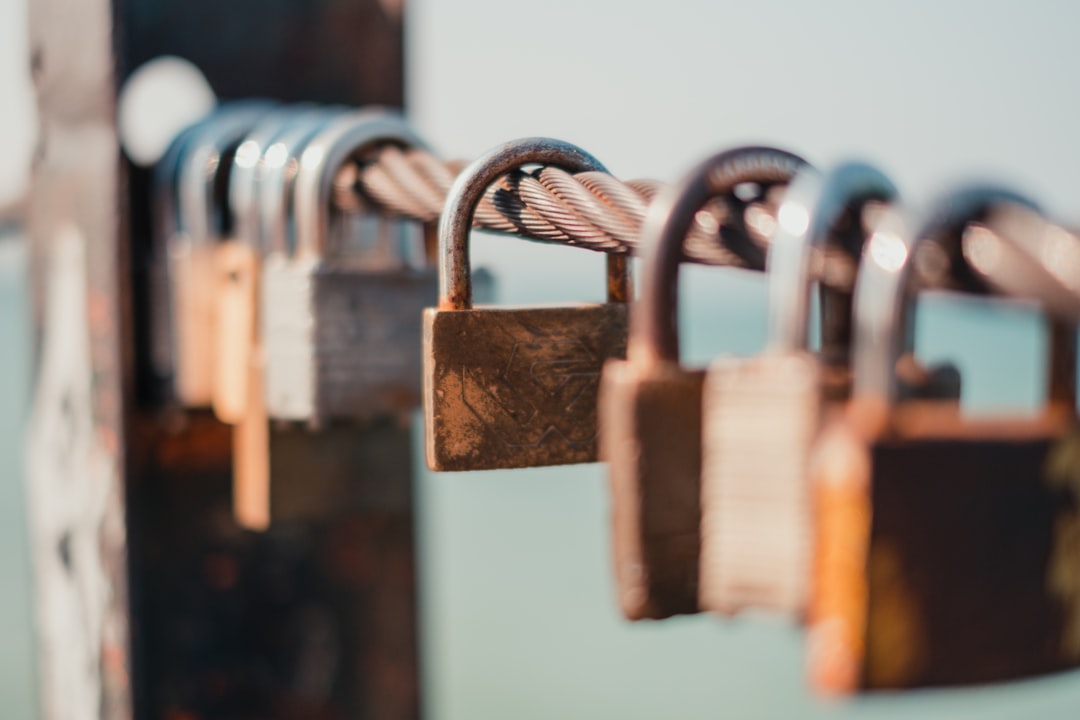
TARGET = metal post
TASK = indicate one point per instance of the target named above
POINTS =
(150, 601)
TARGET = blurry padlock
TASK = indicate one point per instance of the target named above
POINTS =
(190, 235)
(946, 547)
(239, 256)
(239, 394)
(341, 311)
(650, 405)
(510, 388)
(760, 415)
(1016, 249)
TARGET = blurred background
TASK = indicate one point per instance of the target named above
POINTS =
(518, 615)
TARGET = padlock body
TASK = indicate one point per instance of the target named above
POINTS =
(650, 422)
(368, 340)
(509, 388)
(192, 307)
(288, 333)
(343, 343)
(759, 419)
(237, 267)
(947, 554)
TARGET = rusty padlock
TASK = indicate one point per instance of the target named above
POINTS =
(650, 405)
(946, 547)
(189, 230)
(760, 415)
(341, 310)
(509, 388)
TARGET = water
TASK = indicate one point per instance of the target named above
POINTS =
(518, 615)
(16, 649)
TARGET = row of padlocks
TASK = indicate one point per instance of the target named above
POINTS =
(300, 280)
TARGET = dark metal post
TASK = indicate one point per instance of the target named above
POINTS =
(151, 602)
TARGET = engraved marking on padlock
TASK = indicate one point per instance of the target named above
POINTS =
(761, 414)
(650, 405)
(887, 527)
(541, 392)
(513, 388)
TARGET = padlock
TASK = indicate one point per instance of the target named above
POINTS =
(511, 388)
(946, 546)
(341, 310)
(238, 260)
(650, 405)
(1016, 249)
(760, 415)
(239, 392)
(189, 231)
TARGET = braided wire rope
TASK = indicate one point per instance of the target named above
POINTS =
(592, 210)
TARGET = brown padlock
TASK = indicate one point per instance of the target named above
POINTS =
(760, 415)
(650, 406)
(509, 388)
(946, 547)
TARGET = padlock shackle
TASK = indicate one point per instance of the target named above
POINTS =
(198, 209)
(277, 173)
(165, 205)
(654, 332)
(247, 170)
(886, 287)
(808, 221)
(1019, 252)
(455, 223)
(323, 156)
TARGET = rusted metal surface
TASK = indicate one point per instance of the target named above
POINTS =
(651, 406)
(938, 554)
(651, 440)
(516, 388)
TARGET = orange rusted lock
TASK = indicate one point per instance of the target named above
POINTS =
(946, 547)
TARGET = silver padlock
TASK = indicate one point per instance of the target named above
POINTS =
(761, 415)
(239, 259)
(191, 224)
(342, 305)
(263, 458)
